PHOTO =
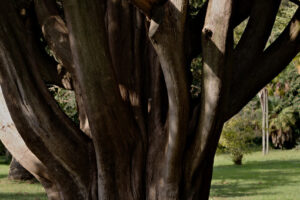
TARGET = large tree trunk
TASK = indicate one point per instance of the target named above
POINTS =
(141, 135)
(16, 146)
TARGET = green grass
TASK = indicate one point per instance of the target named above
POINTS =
(16, 190)
(272, 177)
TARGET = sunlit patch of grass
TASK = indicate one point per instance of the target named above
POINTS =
(18, 190)
(275, 176)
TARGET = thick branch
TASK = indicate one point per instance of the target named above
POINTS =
(241, 10)
(217, 46)
(47, 66)
(112, 127)
(12, 140)
(46, 130)
(255, 36)
(56, 34)
(266, 67)
(167, 36)
(48, 69)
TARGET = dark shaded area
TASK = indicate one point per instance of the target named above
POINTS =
(267, 174)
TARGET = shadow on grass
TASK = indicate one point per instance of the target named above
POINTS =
(3, 176)
(15, 196)
(250, 178)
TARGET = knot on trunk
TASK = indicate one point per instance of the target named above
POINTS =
(207, 33)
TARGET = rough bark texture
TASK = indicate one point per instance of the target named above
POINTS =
(141, 135)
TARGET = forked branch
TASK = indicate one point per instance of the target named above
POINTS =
(264, 68)
(255, 36)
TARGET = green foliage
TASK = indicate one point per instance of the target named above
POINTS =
(67, 102)
(195, 5)
(284, 120)
(283, 90)
(238, 31)
(196, 67)
(285, 107)
(285, 13)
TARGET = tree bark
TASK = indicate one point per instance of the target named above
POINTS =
(15, 144)
(144, 139)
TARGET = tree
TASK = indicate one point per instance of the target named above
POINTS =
(147, 138)
(285, 108)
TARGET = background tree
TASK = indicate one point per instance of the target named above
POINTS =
(264, 102)
(285, 108)
(283, 97)
(142, 134)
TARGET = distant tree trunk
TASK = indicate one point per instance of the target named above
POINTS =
(18, 172)
(263, 96)
(146, 137)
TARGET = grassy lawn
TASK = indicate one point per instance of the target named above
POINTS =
(15, 190)
(272, 177)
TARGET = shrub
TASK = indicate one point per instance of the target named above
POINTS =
(237, 136)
